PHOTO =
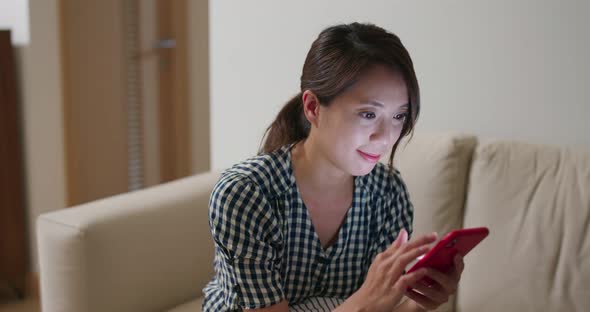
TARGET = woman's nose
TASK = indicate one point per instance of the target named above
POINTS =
(383, 134)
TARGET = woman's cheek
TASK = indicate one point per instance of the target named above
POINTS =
(359, 133)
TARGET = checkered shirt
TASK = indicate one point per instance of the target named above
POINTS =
(266, 247)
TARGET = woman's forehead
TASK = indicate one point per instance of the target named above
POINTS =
(380, 86)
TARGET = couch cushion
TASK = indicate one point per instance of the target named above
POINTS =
(435, 168)
(536, 202)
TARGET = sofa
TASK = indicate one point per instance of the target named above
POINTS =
(151, 250)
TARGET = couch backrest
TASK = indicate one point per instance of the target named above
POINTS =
(435, 167)
(536, 202)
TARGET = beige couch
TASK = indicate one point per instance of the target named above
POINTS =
(150, 250)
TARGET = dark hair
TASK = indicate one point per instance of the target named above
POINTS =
(334, 62)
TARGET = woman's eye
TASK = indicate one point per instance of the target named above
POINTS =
(400, 117)
(368, 115)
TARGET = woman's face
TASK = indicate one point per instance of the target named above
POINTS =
(364, 122)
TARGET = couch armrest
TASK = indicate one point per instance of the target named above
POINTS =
(147, 250)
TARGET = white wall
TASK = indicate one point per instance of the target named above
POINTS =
(497, 69)
(39, 67)
(14, 15)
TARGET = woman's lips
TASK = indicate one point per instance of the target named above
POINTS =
(369, 157)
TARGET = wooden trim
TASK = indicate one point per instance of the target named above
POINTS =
(165, 94)
(174, 112)
(148, 60)
(182, 79)
(199, 85)
(71, 189)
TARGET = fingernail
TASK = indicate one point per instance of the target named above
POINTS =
(405, 236)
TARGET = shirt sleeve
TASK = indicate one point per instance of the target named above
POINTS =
(398, 213)
(244, 228)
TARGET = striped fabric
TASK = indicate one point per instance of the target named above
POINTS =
(316, 304)
(267, 250)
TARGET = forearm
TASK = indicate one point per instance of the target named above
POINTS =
(352, 304)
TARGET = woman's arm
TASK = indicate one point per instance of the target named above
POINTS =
(244, 230)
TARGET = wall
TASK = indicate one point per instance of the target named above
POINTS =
(14, 15)
(498, 69)
(38, 67)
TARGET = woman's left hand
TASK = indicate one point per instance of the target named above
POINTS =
(445, 285)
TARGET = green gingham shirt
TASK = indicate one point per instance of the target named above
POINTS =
(267, 250)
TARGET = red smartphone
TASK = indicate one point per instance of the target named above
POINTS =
(441, 256)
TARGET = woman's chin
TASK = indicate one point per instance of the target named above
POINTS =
(363, 169)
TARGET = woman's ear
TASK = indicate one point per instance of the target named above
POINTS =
(311, 107)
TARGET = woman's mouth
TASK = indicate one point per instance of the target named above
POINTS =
(369, 157)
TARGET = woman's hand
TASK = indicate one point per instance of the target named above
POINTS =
(430, 297)
(385, 284)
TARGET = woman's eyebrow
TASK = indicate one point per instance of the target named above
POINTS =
(379, 104)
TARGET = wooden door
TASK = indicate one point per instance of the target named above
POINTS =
(95, 114)
(172, 46)
(126, 112)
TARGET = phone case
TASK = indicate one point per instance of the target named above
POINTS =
(441, 256)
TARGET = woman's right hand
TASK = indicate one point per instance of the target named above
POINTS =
(385, 284)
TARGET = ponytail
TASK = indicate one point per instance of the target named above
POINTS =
(290, 126)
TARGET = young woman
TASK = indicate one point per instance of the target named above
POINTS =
(315, 221)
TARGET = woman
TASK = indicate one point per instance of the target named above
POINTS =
(315, 221)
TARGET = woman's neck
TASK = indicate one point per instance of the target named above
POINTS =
(313, 171)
